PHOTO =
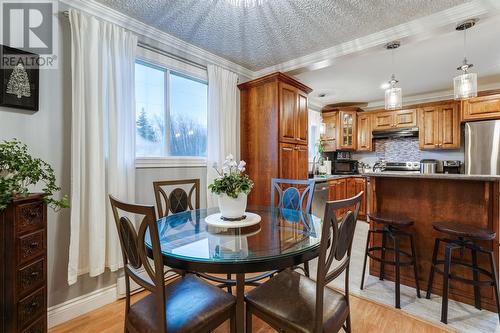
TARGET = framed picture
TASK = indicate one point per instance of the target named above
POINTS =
(19, 79)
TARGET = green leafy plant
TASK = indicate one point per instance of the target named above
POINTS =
(231, 181)
(19, 171)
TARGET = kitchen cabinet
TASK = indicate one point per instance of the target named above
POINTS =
(439, 127)
(273, 132)
(330, 136)
(293, 114)
(481, 108)
(364, 132)
(394, 119)
(344, 188)
(340, 128)
(347, 130)
(292, 157)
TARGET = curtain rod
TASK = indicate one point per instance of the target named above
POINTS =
(161, 51)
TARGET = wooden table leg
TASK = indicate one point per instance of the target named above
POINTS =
(240, 303)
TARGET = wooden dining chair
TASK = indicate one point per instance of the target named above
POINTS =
(187, 304)
(171, 198)
(296, 195)
(292, 302)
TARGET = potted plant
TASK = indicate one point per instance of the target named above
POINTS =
(232, 187)
(19, 171)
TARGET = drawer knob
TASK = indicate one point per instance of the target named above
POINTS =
(33, 245)
(35, 273)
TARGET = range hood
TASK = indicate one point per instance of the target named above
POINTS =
(396, 133)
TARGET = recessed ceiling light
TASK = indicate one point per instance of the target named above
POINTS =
(246, 3)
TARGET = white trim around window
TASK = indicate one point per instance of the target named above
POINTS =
(170, 162)
(171, 64)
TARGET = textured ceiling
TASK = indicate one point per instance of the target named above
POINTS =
(422, 67)
(277, 30)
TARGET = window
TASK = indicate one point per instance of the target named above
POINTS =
(171, 113)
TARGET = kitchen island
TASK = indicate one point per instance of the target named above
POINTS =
(429, 198)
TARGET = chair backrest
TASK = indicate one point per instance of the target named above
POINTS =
(292, 194)
(176, 200)
(335, 245)
(134, 251)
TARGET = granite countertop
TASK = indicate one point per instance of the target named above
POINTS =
(417, 175)
(330, 177)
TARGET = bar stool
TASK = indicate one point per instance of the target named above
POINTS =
(464, 238)
(392, 226)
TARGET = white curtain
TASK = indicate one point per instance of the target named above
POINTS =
(223, 121)
(102, 140)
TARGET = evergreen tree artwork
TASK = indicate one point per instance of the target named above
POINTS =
(19, 83)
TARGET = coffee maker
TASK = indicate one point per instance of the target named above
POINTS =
(452, 167)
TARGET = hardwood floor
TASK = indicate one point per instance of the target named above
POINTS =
(366, 317)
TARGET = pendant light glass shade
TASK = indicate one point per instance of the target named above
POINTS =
(393, 94)
(465, 86)
(393, 98)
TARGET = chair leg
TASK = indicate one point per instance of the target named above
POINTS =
(446, 275)
(415, 268)
(495, 281)
(347, 324)
(398, 275)
(306, 268)
(431, 275)
(382, 264)
(232, 322)
(229, 289)
(475, 275)
(248, 320)
(366, 257)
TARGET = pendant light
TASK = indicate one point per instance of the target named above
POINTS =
(465, 84)
(393, 94)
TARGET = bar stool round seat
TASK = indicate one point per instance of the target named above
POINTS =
(464, 230)
(392, 227)
(463, 237)
(394, 220)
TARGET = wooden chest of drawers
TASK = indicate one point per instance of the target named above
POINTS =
(23, 268)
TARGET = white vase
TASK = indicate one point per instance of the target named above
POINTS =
(232, 208)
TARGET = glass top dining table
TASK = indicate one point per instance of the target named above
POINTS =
(283, 238)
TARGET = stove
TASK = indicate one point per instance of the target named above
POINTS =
(397, 166)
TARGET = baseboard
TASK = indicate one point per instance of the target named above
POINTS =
(81, 305)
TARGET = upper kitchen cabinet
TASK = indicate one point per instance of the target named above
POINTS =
(340, 128)
(481, 108)
(347, 130)
(293, 114)
(364, 132)
(439, 126)
(273, 126)
(330, 136)
(394, 119)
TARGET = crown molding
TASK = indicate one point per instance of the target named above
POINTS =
(422, 25)
(146, 31)
(435, 96)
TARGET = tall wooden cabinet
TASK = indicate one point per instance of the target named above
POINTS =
(23, 267)
(274, 132)
(364, 132)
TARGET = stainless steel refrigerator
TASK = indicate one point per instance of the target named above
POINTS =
(482, 147)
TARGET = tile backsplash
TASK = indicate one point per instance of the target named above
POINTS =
(404, 150)
(398, 149)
